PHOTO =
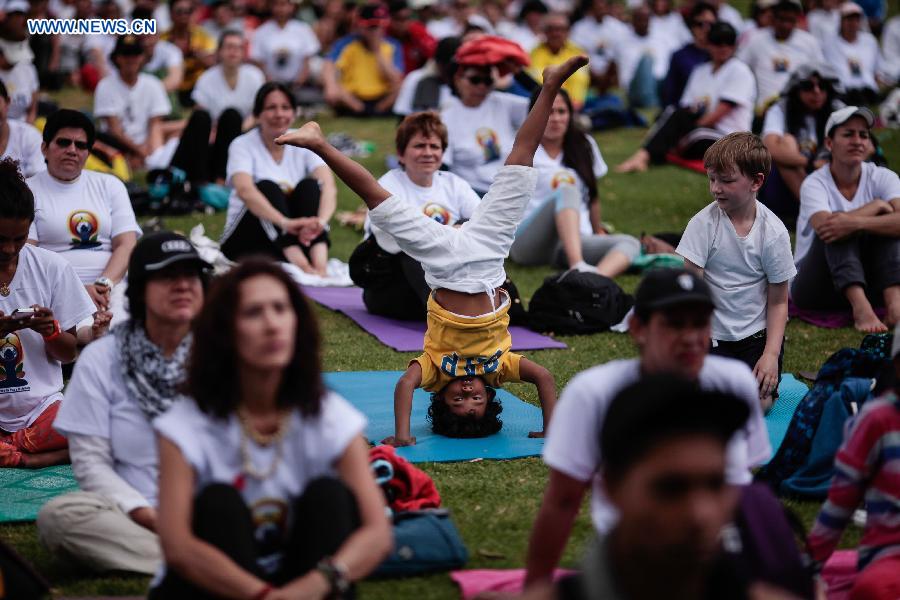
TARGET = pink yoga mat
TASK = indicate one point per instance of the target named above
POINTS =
(405, 336)
(839, 572)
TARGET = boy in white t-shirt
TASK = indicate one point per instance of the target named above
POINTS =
(467, 343)
(743, 250)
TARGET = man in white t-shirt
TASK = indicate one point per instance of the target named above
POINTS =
(164, 59)
(41, 301)
(18, 73)
(599, 33)
(671, 327)
(84, 216)
(22, 140)
(131, 104)
(773, 54)
(642, 59)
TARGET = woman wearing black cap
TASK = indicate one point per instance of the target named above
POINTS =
(121, 383)
(717, 100)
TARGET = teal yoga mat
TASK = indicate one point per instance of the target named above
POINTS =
(24, 491)
(372, 392)
(790, 393)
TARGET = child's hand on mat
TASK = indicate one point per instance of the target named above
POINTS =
(535, 434)
(766, 373)
(308, 136)
(399, 442)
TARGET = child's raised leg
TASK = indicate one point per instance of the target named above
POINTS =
(348, 170)
(529, 135)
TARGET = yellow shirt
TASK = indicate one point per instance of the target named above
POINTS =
(460, 346)
(578, 84)
(200, 42)
(359, 72)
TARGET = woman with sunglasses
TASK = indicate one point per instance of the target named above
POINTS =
(562, 225)
(84, 216)
(482, 125)
(794, 133)
(265, 489)
(717, 100)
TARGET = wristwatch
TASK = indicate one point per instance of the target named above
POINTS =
(104, 282)
(336, 575)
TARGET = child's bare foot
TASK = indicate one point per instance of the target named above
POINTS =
(865, 320)
(637, 163)
(556, 75)
(308, 136)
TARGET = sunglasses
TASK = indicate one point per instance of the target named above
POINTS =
(478, 80)
(66, 142)
(808, 86)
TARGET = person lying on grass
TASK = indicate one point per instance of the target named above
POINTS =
(467, 342)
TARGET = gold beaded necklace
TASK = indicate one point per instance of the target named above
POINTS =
(264, 440)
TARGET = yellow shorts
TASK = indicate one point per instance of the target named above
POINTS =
(459, 346)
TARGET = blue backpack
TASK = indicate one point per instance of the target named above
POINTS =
(425, 541)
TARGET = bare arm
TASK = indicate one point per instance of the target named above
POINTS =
(388, 70)
(174, 77)
(154, 135)
(552, 526)
(117, 265)
(596, 219)
(330, 86)
(195, 560)
(357, 178)
(783, 153)
(367, 546)
(766, 368)
(328, 193)
(693, 268)
(32, 109)
(534, 373)
(403, 397)
(303, 75)
(711, 118)
(876, 216)
(256, 202)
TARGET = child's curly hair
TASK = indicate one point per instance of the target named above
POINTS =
(444, 422)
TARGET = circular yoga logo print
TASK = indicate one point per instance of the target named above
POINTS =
(562, 178)
(84, 226)
(436, 212)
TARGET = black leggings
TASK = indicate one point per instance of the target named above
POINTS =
(201, 162)
(671, 131)
(324, 517)
(252, 236)
(403, 296)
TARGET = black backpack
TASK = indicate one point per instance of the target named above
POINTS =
(574, 302)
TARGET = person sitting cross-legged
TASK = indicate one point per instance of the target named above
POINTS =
(41, 301)
(467, 343)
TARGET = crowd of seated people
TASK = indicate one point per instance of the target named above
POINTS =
(493, 104)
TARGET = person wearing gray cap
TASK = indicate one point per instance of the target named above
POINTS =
(120, 384)
(671, 328)
(848, 230)
(794, 133)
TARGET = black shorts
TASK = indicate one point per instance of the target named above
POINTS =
(748, 350)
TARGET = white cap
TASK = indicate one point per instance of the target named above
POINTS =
(11, 6)
(839, 117)
(16, 52)
(850, 8)
(417, 4)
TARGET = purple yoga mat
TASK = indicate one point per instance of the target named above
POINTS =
(827, 319)
(405, 336)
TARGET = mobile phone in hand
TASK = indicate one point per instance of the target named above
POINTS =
(21, 314)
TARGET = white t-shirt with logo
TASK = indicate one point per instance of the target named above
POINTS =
(855, 64)
(551, 174)
(403, 105)
(24, 145)
(30, 381)
(732, 82)
(78, 220)
(572, 446)
(282, 51)
(133, 105)
(738, 269)
(21, 83)
(599, 39)
(819, 193)
(166, 55)
(632, 48)
(97, 403)
(248, 154)
(775, 123)
(448, 200)
(213, 92)
(312, 447)
(480, 138)
(772, 61)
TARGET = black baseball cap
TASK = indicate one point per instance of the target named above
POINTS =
(721, 34)
(662, 288)
(661, 406)
(157, 251)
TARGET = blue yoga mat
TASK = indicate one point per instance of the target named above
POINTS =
(372, 392)
(790, 393)
(24, 491)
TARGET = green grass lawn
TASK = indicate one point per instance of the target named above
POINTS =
(493, 503)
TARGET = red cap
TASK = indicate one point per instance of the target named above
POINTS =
(491, 50)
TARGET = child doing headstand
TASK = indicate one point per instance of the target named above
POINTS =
(467, 344)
